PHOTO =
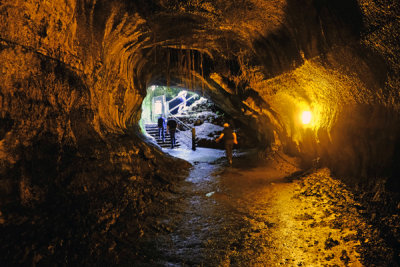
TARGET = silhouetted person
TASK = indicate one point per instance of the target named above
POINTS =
(230, 139)
(161, 128)
(171, 128)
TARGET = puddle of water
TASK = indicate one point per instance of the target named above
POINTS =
(210, 194)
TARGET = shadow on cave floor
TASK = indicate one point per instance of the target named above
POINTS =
(255, 214)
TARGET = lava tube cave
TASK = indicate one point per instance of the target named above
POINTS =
(309, 88)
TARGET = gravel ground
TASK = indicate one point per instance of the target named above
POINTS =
(260, 214)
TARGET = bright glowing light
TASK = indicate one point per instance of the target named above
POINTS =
(306, 117)
(153, 87)
(157, 107)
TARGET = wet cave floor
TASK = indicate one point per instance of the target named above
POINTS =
(259, 214)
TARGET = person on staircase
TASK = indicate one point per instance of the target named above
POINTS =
(171, 128)
(230, 138)
(161, 128)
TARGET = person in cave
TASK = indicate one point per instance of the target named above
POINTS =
(230, 139)
(161, 128)
(171, 128)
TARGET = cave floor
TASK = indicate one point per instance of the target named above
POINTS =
(254, 214)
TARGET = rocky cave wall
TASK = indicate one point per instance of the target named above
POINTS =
(74, 75)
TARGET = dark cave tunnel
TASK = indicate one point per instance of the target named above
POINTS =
(76, 174)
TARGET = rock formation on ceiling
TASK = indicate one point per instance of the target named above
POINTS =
(74, 74)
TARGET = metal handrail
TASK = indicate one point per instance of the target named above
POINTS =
(173, 99)
(181, 122)
(177, 106)
(176, 98)
(184, 124)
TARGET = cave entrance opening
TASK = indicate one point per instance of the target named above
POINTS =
(191, 111)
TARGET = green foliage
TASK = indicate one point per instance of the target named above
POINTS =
(169, 92)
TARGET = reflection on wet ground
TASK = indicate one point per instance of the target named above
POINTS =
(252, 214)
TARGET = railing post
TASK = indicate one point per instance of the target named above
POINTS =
(193, 139)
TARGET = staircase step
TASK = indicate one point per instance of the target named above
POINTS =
(168, 146)
(152, 129)
(168, 142)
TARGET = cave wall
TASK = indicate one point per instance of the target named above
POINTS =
(351, 87)
(72, 171)
(74, 74)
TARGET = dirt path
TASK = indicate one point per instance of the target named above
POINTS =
(254, 216)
